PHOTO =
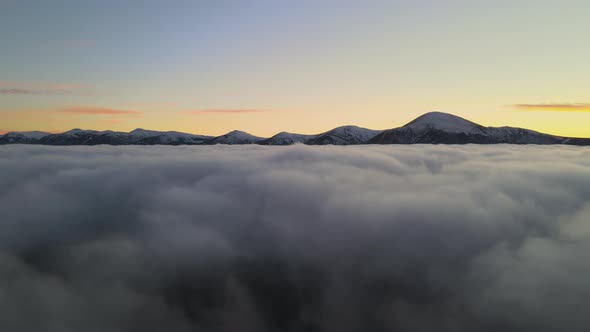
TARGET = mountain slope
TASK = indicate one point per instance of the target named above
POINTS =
(168, 138)
(72, 137)
(137, 136)
(22, 137)
(234, 137)
(443, 128)
(522, 136)
(284, 138)
(345, 135)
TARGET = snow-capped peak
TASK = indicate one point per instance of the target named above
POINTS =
(235, 137)
(139, 132)
(345, 135)
(284, 134)
(143, 133)
(285, 138)
(353, 132)
(446, 122)
(241, 135)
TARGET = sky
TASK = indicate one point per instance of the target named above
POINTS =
(304, 66)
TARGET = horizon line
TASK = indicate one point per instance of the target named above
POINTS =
(54, 132)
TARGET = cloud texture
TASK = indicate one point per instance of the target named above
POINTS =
(253, 238)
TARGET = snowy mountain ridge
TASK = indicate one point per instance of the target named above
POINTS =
(345, 135)
(28, 134)
(429, 128)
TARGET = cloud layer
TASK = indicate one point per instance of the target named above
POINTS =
(253, 238)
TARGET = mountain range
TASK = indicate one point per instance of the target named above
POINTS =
(430, 128)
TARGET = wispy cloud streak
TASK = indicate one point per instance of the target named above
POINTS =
(226, 111)
(89, 110)
(43, 89)
(555, 107)
(32, 92)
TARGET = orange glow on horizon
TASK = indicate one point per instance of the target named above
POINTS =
(267, 123)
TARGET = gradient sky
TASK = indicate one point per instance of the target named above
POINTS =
(301, 66)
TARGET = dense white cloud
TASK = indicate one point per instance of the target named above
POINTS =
(299, 238)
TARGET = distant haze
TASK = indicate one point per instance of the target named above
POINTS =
(254, 238)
